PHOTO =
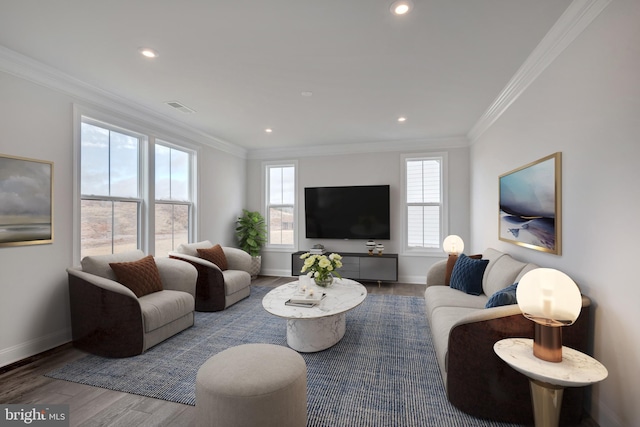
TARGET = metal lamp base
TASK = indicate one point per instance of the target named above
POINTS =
(547, 343)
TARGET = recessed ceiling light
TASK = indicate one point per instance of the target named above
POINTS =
(401, 7)
(268, 130)
(148, 53)
(402, 119)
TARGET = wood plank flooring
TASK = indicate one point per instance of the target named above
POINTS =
(24, 382)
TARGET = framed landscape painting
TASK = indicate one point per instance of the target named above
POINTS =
(530, 201)
(26, 201)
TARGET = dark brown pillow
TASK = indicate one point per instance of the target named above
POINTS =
(141, 276)
(215, 255)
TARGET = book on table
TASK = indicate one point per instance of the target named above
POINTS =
(303, 299)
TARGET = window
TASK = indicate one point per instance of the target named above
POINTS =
(280, 206)
(110, 190)
(135, 192)
(424, 202)
(173, 197)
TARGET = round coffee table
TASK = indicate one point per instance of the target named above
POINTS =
(317, 328)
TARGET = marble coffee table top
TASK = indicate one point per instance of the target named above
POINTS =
(343, 295)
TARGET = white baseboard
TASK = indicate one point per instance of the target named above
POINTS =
(276, 273)
(30, 348)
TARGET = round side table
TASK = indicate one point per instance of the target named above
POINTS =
(548, 379)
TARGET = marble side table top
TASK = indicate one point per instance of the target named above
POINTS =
(576, 369)
(343, 295)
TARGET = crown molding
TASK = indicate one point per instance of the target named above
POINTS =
(34, 71)
(569, 26)
(358, 148)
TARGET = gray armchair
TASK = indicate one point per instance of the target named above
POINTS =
(108, 319)
(216, 288)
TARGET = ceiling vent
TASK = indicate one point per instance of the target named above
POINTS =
(180, 107)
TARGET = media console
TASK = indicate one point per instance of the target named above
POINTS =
(359, 266)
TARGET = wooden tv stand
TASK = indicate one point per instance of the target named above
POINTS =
(359, 266)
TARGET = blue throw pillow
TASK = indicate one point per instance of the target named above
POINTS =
(467, 274)
(506, 296)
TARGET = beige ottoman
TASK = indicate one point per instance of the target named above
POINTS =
(252, 385)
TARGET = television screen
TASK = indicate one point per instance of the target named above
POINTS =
(354, 212)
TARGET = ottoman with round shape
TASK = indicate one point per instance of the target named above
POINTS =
(252, 385)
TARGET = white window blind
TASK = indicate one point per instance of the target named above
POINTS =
(423, 202)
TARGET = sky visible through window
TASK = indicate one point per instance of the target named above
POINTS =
(172, 174)
(109, 163)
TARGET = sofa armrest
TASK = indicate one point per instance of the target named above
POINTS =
(481, 384)
(106, 318)
(101, 282)
(437, 272)
(193, 260)
(177, 275)
(237, 259)
(210, 292)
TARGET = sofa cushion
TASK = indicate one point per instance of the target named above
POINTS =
(235, 280)
(501, 273)
(506, 296)
(444, 296)
(467, 274)
(527, 268)
(141, 276)
(215, 255)
(161, 308)
(192, 248)
(98, 265)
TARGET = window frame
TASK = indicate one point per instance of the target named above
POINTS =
(442, 157)
(266, 167)
(191, 203)
(146, 178)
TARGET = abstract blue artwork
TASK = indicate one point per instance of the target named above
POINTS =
(530, 200)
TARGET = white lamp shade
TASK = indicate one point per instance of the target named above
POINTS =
(549, 297)
(453, 245)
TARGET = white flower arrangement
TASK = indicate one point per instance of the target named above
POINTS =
(321, 267)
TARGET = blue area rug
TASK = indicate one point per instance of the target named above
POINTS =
(383, 372)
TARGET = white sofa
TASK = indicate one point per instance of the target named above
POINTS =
(464, 332)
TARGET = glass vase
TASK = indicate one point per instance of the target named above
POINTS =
(325, 282)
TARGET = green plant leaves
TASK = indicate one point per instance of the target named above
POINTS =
(251, 232)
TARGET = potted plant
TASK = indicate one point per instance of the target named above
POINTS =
(251, 232)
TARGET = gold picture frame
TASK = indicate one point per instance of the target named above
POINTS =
(26, 201)
(530, 200)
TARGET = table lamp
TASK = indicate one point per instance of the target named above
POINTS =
(453, 245)
(551, 299)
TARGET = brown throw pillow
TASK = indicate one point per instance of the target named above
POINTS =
(141, 276)
(215, 255)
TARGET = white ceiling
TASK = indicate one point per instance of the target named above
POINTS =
(243, 64)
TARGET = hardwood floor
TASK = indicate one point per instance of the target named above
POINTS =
(24, 383)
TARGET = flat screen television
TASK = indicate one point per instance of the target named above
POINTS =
(354, 212)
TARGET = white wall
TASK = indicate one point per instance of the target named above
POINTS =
(586, 105)
(375, 168)
(34, 306)
(37, 122)
(223, 182)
